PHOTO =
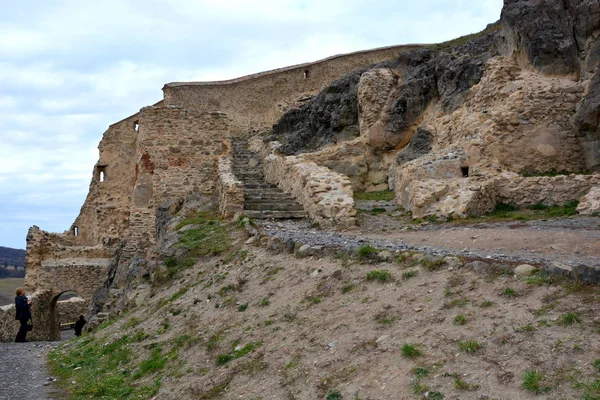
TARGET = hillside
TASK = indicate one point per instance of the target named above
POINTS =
(12, 263)
(13, 257)
(254, 323)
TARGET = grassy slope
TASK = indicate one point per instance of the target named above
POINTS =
(254, 325)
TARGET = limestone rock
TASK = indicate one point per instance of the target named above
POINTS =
(525, 269)
(590, 203)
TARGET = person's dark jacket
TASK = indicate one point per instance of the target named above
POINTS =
(79, 326)
(23, 309)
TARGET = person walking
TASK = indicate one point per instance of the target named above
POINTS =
(79, 325)
(23, 308)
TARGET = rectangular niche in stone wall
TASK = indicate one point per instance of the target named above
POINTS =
(100, 175)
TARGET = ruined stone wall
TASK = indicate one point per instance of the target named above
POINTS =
(230, 190)
(105, 212)
(256, 102)
(177, 154)
(69, 310)
(326, 195)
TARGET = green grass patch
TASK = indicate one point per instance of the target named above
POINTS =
(420, 372)
(101, 369)
(410, 350)
(509, 292)
(460, 319)
(533, 380)
(209, 235)
(569, 319)
(334, 395)
(469, 346)
(411, 273)
(383, 195)
(380, 276)
(367, 252)
(223, 359)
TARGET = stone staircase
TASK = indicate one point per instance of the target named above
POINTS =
(261, 199)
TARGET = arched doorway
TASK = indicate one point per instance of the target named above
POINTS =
(65, 309)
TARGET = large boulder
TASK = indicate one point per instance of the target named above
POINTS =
(542, 32)
(590, 203)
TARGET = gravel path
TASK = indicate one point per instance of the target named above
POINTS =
(23, 371)
(571, 241)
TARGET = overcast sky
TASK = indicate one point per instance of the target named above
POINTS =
(70, 68)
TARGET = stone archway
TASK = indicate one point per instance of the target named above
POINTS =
(82, 276)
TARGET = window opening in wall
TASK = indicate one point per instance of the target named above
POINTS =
(306, 73)
(75, 231)
(101, 173)
(465, 171)
(136, 125)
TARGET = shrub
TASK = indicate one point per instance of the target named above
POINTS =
(367, 252)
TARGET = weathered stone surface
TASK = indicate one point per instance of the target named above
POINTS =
(230, 190)
(543, 32)
(524, 269)
(587, 121)
(326, 196)
(590, 203)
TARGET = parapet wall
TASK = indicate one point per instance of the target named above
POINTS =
(256, 102)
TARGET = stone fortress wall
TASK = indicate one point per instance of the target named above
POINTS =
(165, 152)
(256, 102)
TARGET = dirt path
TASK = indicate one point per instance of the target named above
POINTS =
(570, 241)
(23, 371)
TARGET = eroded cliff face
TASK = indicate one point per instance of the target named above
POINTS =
(451, 127)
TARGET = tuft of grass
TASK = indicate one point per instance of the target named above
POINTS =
(383, 195)
(540, 278)
(509, 292)
(460, 319)
(569, 319)
(432, 265)
(223, 359)
(596, 364)
(469, 346)
(526, 328)
(486, 303)
(334, 395)
(348, 288)
(533, 380)
(462, 385)
(367, 252)
(265, 302)
(421, 372)
(419, 388)
(242, 307)
(411, 273)
(410, 350)
(379, 275)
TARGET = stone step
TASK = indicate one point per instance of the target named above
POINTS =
(273, 207)
(275, 214)
(268, 196)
